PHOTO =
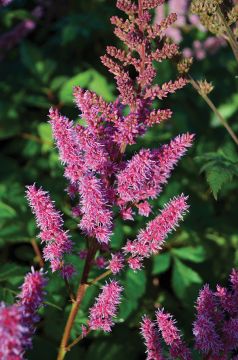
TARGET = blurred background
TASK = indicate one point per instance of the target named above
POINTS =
(47, 47)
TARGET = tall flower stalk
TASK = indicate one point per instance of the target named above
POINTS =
(107, 183)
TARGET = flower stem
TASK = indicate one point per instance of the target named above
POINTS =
(76, 304)
(37, 251)
(214, 109)
(231, 38)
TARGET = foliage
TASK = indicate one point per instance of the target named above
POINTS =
(40, 71)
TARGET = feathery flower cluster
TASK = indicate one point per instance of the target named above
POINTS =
(216, 325)
(50, 222)
(97, 169)
(116, 264)
(164, 328)
(97, 217)
(93, 154)
(147, 171)
(152, 340)
(104, 310)
(150, 240)
(215, 328)
(17, 321)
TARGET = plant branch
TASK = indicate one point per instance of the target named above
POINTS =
(76, 304)
(230, 35)
(100, 277)
(77, 340)
(37, 251)
(214, 109)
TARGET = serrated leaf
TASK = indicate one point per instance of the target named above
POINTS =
(217, 177)
(161, 263)
(194, 254)
(182, 278)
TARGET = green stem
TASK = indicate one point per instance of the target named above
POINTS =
(214, 109)
(231, 37)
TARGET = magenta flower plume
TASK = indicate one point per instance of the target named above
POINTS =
(32, 292)
(30, 299)
(17, 322)
(105, 308)
(12, 333)
(171, 336)
(66, 141)
(147, 171)
(207, 338)
(50, 222)
(97, 215)
(152, 341)
(150, 240)
(116, 264)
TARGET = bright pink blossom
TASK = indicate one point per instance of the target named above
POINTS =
(12, 333)
(152, 340)
(105, 308)
(97, 215)
(66, 141)
(17, 322)
(144, 208)
(50, 222)
(150, 240)
(116, 264)
(171, 336)
(147, 171)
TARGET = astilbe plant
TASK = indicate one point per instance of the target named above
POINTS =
(215, 328)
(103, 182)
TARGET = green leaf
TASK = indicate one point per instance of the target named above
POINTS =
(100, 85)
(161, 263)
(182, 279)
(66, 92)
(45, 133)
(90, 79)
(194, 254)
(6, 211)
(217, 177)
(227, 110)
(134, 287)
(135, 284)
